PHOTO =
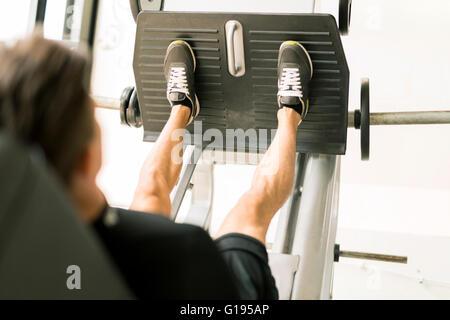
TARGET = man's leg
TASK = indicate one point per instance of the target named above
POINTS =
(269, 190)
(162, 168)
(160, 171)
(274, 177)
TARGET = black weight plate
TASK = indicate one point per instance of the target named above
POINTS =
(337, 252)
(365, 119)
(131, 117)
(345, 11)
(357, 119)
(250, 101)
(124, 102)
(134, 105)
(133, 111)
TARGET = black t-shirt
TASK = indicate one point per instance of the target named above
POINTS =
(164, 260)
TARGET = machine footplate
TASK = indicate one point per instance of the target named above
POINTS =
(249, 101)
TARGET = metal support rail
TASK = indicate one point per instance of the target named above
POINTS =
(106, 103)
(404, 118)
(373, 256)
(338, 253)
(376, 119)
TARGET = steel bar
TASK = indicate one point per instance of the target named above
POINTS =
(287, 222)
(373, 256)
(107, 103)
(404, 118)
(376, 119)
(192, 154)
(316, 226)
(202, 181)
(89, 22)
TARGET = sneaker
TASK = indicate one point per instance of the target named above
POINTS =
(179, 69)
(295, 71)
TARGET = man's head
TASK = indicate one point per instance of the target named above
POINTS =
(44, 101)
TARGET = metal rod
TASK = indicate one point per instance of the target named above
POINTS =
(202, 195)
(373, 256)
(376, 119)
(288, 214)
(106, 103)
(404, 118)
(316, 225)
(294, 204)
(192, 153)
(89, 22)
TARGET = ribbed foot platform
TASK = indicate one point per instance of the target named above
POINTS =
(250, 101)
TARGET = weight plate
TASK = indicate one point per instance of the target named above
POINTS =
(134, 104)
(357, 119)
(124, 103)
(337, 252)
(345, 11)
(365, 119)
(131, 117)
(133, 112)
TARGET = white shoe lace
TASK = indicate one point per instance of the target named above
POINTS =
(178, 81)
(290, 84)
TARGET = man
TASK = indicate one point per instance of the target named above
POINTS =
(43, 102)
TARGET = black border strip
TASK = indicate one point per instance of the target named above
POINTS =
(40, 11)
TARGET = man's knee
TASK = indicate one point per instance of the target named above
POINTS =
(263, 198)
(153, 184)
(152, 195)
(257, 200)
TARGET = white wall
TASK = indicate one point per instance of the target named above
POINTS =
(403, 48)
(425, 276)
(403, 192)
(15, 19)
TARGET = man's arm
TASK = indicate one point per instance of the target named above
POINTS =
(163, 260)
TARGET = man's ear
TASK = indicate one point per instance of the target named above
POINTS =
(83, 164)
(90, 161)
(83, 188)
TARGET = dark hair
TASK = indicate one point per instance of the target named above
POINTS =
(44, 100)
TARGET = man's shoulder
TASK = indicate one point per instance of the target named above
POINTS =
(158, 227)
